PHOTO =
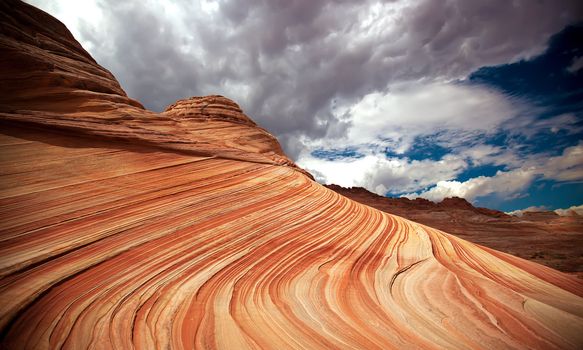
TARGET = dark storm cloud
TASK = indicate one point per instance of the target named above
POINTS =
(289, 62)
(140, 47)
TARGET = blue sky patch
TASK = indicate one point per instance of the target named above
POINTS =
(482, 170)
(423, 148)
(545, 193)
(335, 154)
(545, 80)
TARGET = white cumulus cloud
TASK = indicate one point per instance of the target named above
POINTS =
(568, 167)
(521, 212)
(510, 183)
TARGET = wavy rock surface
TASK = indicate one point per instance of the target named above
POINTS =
(123, 228)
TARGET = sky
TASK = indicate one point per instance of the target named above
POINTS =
(478, 99)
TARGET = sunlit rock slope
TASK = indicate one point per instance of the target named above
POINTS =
(123, 228)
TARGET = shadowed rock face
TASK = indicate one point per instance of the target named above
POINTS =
(123, 228)
(543, 237)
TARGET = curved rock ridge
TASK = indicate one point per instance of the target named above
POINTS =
(107, 242)
(214, 107)
(218, 121)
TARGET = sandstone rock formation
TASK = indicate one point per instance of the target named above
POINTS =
(49, 80)
(543, 237)
(124, 228)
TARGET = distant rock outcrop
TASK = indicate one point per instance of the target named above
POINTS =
(403, 203)
(128, 229)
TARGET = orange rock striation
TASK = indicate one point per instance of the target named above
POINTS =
(123, 228)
